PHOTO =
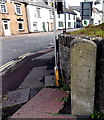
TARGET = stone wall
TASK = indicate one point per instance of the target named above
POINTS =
(64, 64)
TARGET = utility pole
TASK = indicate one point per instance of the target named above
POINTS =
(64, 31)
(55, 38)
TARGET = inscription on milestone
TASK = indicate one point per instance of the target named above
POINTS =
(83, 64)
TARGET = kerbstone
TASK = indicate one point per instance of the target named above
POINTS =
(83, 64)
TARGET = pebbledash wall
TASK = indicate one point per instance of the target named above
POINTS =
(64, 41)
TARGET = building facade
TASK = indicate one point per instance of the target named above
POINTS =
(70, 20)
(40, 17)
(13, 17)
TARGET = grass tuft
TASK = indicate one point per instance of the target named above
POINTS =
(91, 30)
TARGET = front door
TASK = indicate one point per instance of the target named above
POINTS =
(6, 27)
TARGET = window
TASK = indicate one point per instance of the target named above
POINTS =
(20, 25)
(73, 17)
(69, 16)
(74, 24)
(18, 9)
(58, 15)
(3, 8)
(35, 26)
(50, 13)
(85, 22)
(69, 24)
(38, 12)
(60, 24)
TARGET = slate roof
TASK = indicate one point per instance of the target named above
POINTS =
(39, 3)
(77, 8)
(21, 1)
(69, 10)
(95, 10)
(78, 19)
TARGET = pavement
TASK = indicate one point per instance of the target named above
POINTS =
(37, 99)
(45, 104)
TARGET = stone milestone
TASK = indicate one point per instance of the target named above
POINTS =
(83, 67)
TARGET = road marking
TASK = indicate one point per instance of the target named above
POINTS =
(6, 65)
(25, 55)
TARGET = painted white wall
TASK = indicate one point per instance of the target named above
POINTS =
(97, 18)
(62, 19)
(78, 13)
(33, 18)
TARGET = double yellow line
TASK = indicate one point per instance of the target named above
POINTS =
(6, 65)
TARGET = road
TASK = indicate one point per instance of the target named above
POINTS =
(17, 45)
(14, 47)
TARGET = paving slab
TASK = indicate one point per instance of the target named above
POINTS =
(43, 105)
(16, 97)
(46, 56)
(49, 80)
(33, 80)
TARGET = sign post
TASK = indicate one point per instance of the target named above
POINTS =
(55, 37)
(86, 11)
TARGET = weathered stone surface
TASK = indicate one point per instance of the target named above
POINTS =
(50, 80)
(16, 97)
(99, 98)
(64, 64)
(83, 65)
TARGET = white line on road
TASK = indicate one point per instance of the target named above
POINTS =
(6, 65)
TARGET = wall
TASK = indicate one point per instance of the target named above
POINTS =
(1, 27)
(62, 19)
(32, 17)
(13, 18)
(64, 64)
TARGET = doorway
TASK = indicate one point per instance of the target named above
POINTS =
(6, 27)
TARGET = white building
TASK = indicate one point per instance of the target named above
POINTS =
(76, 9)
(96, 18)
(39, 16)
(70, 19)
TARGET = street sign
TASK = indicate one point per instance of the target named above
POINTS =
(86, 10)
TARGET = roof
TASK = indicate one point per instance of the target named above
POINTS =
(21, 1)
(39, 3)
(69, 10)
(77, 8)
(95, 10)
(78, 19)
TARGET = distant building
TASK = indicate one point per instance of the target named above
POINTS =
(76, 9)
(70, 19)
(96, 18)
(13, 17)
(39, 15)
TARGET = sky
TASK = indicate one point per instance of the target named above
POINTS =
(74, 2)
(77, 3)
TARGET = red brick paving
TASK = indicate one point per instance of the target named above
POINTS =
(43, 105)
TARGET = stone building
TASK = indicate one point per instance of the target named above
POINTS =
(13, 17)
